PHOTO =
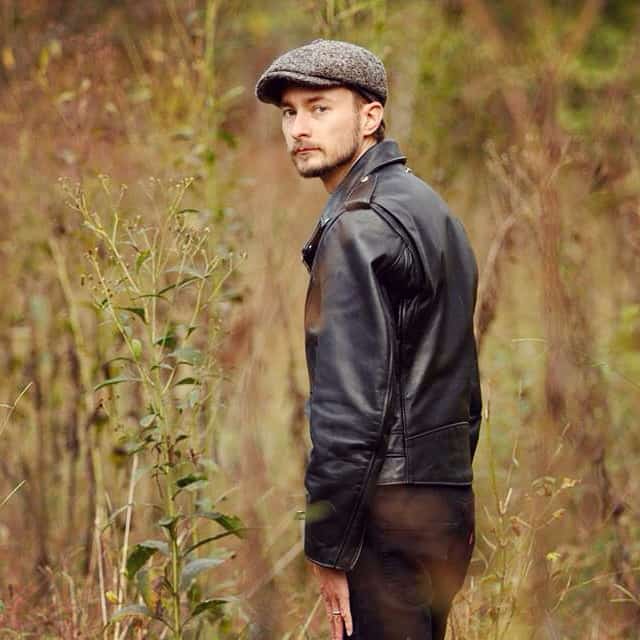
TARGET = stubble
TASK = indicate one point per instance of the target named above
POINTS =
(340, 157)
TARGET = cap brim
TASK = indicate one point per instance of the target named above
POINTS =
(270, 87)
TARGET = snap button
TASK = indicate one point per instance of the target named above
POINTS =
(364, 179)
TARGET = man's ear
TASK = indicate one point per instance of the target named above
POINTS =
(372, 112)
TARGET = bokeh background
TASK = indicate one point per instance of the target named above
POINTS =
(523, 114)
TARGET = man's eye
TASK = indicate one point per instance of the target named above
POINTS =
(320, 108)
(287, 113)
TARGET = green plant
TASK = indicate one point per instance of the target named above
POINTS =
(516, 544)
(157, 284)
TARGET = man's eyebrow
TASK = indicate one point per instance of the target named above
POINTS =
(309, 100)
(316, 98)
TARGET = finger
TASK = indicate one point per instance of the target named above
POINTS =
(337, 626)
(345, 608)
(335, 621)
(327, 608)
(342, 594)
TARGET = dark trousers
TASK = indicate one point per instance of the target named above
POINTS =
(416, 552)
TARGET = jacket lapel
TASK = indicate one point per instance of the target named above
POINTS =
(310, 247)
(355, 188)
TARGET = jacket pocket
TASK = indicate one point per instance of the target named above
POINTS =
(441, 455)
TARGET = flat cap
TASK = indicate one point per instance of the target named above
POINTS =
(325, 63)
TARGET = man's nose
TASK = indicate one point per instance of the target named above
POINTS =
(300, 127)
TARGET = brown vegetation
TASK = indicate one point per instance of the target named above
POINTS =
(523, 115)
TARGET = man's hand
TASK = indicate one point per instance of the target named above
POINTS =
(335, 593)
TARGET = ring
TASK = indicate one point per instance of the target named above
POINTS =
(336, 613)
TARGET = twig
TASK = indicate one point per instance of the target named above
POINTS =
(303, 631)
(122, 582)
(279, 566)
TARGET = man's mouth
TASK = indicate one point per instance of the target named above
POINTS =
(304, 149)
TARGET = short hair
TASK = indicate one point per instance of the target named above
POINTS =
(359, 100)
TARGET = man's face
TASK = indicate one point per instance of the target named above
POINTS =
(322, 129)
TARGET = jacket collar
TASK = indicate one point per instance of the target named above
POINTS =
(378, 156)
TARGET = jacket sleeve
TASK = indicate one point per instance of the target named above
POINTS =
(349, 318)
(475, 406)
(475, 399)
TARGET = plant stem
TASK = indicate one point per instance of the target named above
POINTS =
(122, 582)
(175, 550)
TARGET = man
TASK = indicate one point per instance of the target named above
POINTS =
(395, 396)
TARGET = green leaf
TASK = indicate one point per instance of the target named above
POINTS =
(169, 340)
(191, 329)
(144, 587)
(148, 420)
(131, 610)
(212, 604)
(116, 380)
(143, 256)
(204, 541)
(194, 568)
(142, 552)
(137, 559)
(233, 524)
(187, 355)
(194, 486)
(169, 522)
(158, 545)
(136, 348)
(152, 295)
(119, 358)
(187, 480)
(139, 311)
(188, 380)
(178, 284)
(213, 467)
(162, 365)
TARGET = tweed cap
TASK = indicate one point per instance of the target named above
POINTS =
(325, 63)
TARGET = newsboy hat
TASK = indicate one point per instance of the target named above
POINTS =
(325, 63)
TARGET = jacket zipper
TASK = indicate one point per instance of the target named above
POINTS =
(385, 410)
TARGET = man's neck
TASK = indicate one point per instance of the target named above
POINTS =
(332, 180)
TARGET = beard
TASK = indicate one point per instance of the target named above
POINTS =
(337, 158)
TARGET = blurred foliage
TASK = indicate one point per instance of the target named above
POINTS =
(524, 115)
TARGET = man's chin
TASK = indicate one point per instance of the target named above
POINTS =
(307, 170)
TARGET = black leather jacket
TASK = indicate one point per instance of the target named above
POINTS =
(395, 392)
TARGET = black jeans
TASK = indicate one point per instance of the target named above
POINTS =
(417, 547)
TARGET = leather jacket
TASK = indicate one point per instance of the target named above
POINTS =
(391, 354)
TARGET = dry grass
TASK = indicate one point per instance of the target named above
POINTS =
(553, 216)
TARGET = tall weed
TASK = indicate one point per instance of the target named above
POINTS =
(157, 285)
